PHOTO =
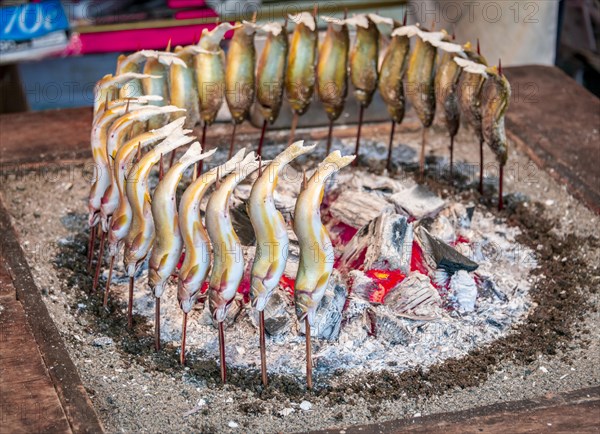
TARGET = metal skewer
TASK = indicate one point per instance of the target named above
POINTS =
(389, 156)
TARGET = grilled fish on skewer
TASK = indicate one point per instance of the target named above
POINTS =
(159, 67)
(271, 235)
(496, 97)
(133, 64)
(196, 262)
(316, 251)
(107, 87)
(420, 79)
(270, 74)
(116, 136)
(391, 75)
(469, 97)
(446, 95)
(183, 89)
(300, 72)
(332, 71)
(228, 264)
(168, 244)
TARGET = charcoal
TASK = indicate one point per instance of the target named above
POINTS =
(279, 314)
(328, 318)
(357, 208)
(386, 241)
(488, 289)
(418, 201)
(236, 307)
(355, 308)
(441, 255)
(362, 286)
(463, 290)
(415, 298)
(385, 325)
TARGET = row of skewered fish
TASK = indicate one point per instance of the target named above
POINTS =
(436, 71)
(155, 95)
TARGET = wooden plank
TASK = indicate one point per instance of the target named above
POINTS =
(62, 374)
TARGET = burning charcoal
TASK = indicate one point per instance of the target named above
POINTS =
(355, 308)
(442, 228)
(278, 314)
(328, 318)
(415, 298)
(418, 201)
(357, 208)
(362, 286)
(385, 243)
(386, 326)
(235, 309)
(242, 225)
(464, 290)
(441, 255)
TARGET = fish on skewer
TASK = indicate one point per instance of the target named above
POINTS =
(121, 218)
(117, 135)
(228, 261)
(197, 259)
(495, 101)
(446, 86)
(183, 89)
(240, 75)
(209, 69)
(168, 243)
(270, 75)
(316, 250)
(391, 74)
(140, 237)
(469, 97)
(107, 89)
(364, 58)
(420, 80)
(135, 63)
(271, 236)
(300, 72)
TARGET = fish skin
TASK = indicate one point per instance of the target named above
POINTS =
(140, 236)
(496, 99)
(391, 74)
(105, 89)
(121, 219)
(332, 71)
(269, 227)
(156, 86)
(240, 73)
(469, 93)
(270, 74)
(228, 260)
(183, 88)
(300, 72)
(446, 85)
(364, 59)
(168, 243)
(420, 78)
(316, 250)
(196, 263)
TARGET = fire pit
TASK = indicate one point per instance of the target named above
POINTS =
(509, 291)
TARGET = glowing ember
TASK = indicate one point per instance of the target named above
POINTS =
(386, 280)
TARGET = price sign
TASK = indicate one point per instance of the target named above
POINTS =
(32, 20)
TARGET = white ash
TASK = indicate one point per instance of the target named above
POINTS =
(463, 290)
(402, 343)
(418, 201)
(357, 208)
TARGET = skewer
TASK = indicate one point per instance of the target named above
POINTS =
(422, 158)
(110, 272)
(308, 355)
(130, 304)
(481, 165)
(232, 143)
(500, 184)
(99, 262)
(222, 353)
(183, 336)
(263, 348)
(203, 144)
(157, 323)
(161, 168)
(91, 247)
(293, 129)
(262, 138)
(389, 156)
(357, 147)
(451, 157)
(329, 133)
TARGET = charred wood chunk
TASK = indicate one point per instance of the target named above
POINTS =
(418, 201)
(415, 298)
(463, 290)
(278, 314)
(382, 323)
(441, 255)
(357, 208)
(242, 226)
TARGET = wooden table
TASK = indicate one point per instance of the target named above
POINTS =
(552, 119)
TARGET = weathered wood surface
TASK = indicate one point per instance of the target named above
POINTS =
(57, 378)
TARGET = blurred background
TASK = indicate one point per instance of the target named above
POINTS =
(52, 52)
